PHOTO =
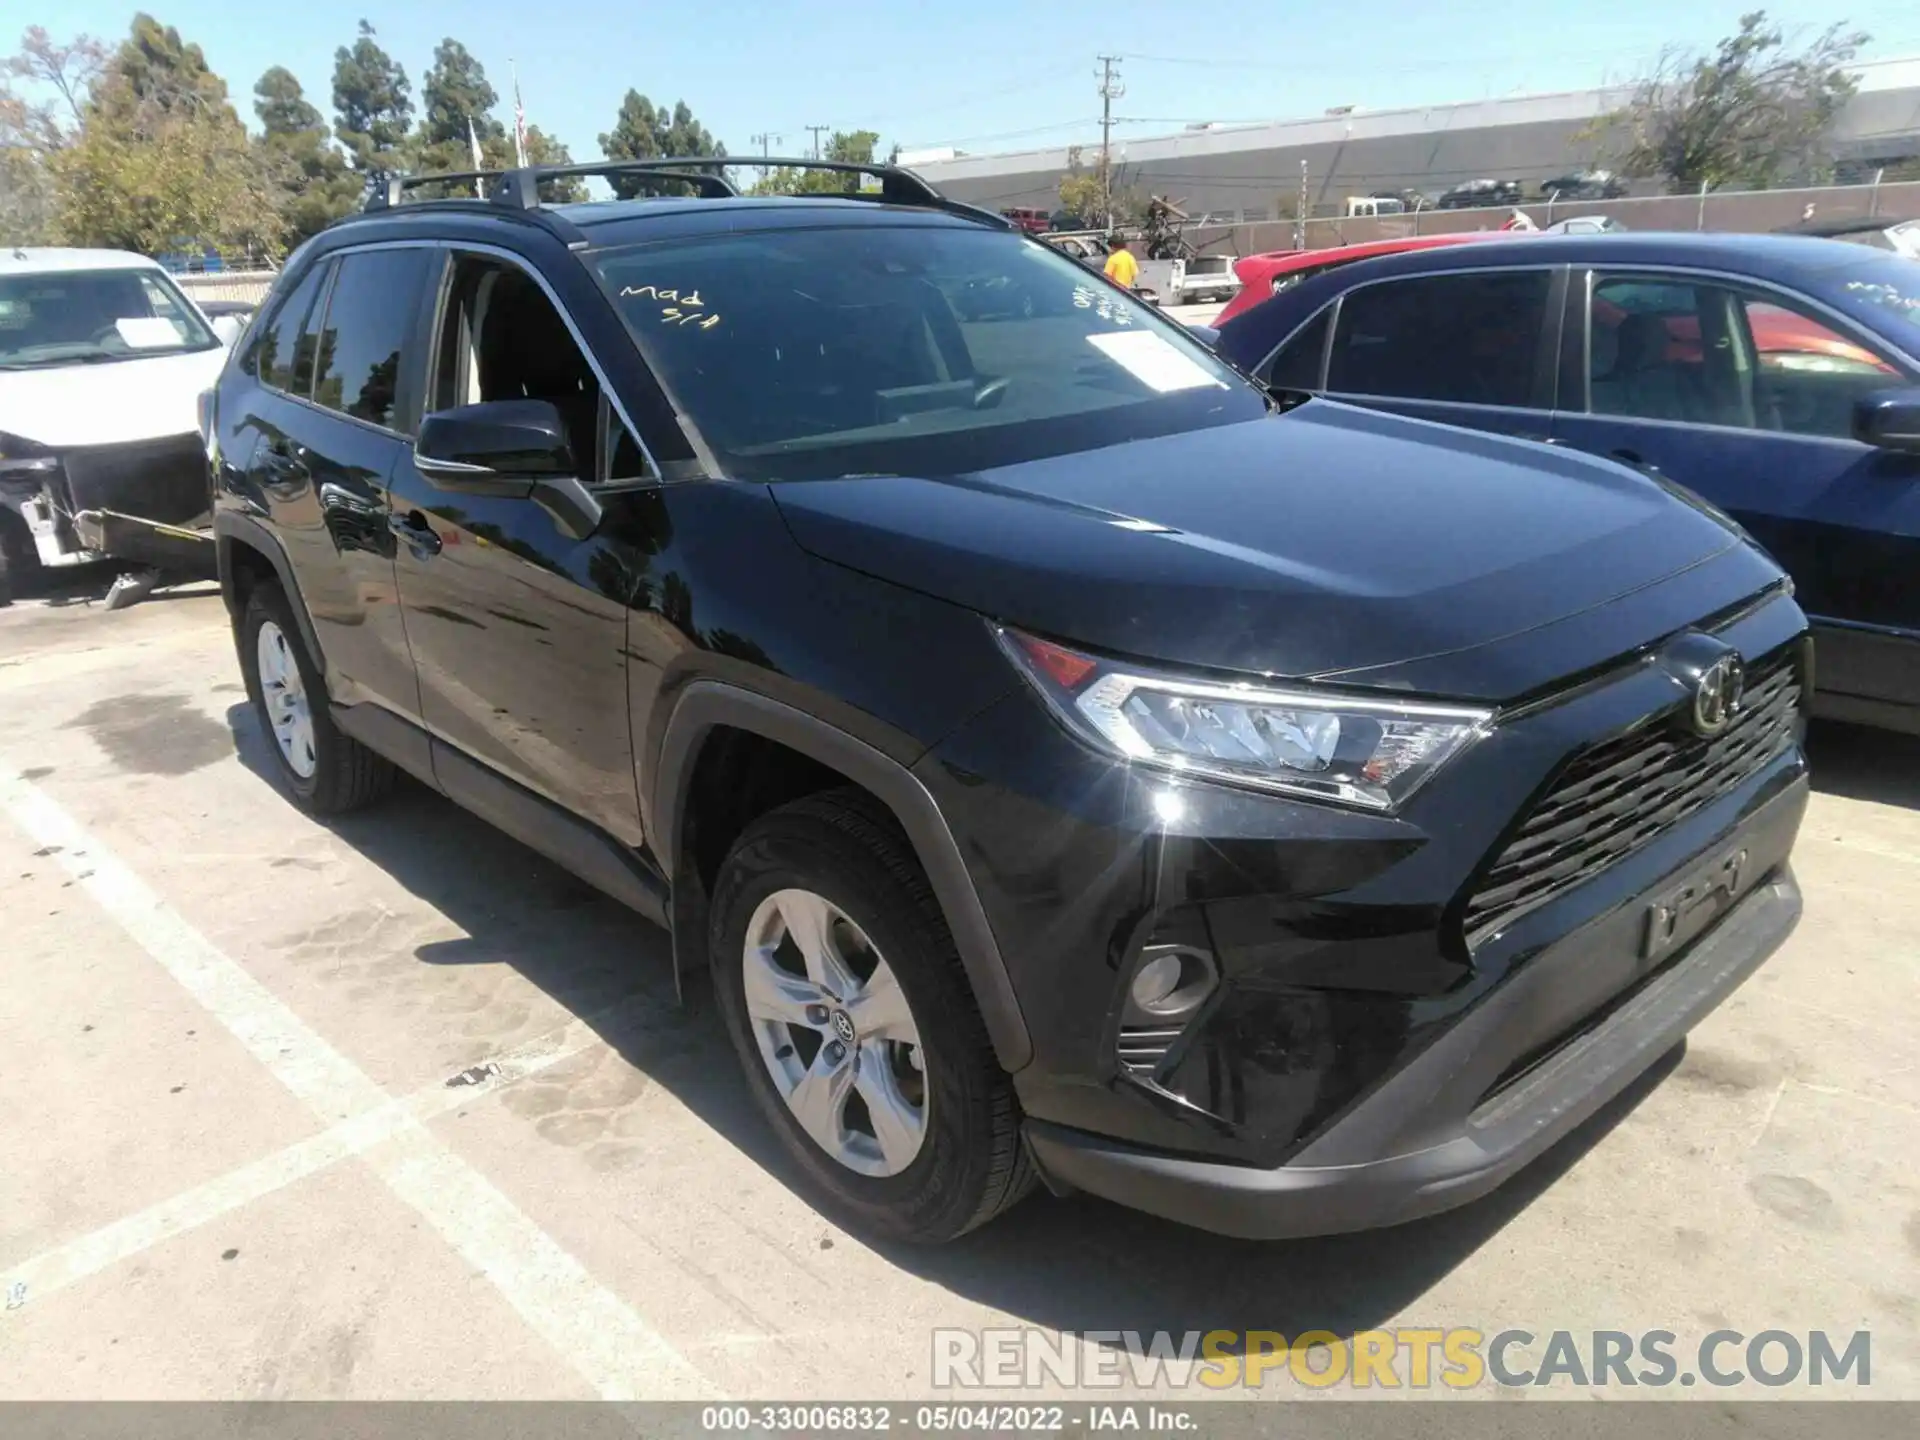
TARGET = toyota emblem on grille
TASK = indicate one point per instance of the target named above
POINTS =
(1716, 695)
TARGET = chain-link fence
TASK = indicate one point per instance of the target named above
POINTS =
(1748, 211)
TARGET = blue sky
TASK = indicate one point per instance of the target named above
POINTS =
(983, 74)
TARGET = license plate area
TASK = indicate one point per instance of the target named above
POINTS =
(1693, 904)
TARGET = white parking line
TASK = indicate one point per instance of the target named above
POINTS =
(126, 1237)
(617, 1352)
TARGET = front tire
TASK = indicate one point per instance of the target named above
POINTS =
(851, 1014)
(326, 772)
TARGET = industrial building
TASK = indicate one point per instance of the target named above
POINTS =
(1251, 173)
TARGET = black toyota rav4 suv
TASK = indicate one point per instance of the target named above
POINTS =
(1070, 762)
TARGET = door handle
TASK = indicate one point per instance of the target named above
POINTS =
(414, 530)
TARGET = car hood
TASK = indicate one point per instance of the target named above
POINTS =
(1328, 543)
(108, 403)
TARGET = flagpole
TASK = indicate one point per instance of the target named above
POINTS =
(519, 117)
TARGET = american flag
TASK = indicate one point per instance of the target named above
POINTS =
(519, 121)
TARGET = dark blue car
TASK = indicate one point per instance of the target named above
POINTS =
(1778, 377)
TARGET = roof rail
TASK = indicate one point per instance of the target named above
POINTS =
(519, 189)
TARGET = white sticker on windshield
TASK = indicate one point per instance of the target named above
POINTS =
(1152, 361)
(146, 332)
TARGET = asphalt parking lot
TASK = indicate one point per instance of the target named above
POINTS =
(392, 1108)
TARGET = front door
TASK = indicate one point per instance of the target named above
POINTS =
(517, 611)
(1746, 397)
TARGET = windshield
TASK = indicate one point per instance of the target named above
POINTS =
(927, 350)
(82, 317)
(1880, 291)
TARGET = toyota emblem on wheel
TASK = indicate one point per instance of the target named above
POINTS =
(1716, 695)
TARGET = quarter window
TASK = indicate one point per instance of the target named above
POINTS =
(1298, 365)
(274, 351)
(1471, 339)
(370, 317)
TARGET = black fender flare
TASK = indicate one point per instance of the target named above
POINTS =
(229, 528)
(705, 704)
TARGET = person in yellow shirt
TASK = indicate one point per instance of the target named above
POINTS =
(1122, 269)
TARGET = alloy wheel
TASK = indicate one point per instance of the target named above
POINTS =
(284, 691)
(835, 1031)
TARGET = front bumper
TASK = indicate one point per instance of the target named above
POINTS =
(1475, 1131)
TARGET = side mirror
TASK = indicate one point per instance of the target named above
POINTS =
(1889, 419)
(228, 329)
(498, 447)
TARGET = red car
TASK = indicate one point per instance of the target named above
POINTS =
(1263, 276)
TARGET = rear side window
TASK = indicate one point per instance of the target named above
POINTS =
(370, 320)
(1469, 339)
(274, 351)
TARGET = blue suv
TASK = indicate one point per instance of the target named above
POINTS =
(1774, 376)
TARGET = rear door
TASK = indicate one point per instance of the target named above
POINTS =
(1465, 347)
(332, 413)
(1745, 395)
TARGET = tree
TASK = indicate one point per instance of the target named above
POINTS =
(543, 149)
(455, 93)
(852, 146)
(1089, 195)
(1754, 113)
(643, 131)
(372, 102)
(315, 185)
(156, 71)
(44, 89)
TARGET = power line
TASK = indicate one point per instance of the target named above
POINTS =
(818, 131)
(763, 138)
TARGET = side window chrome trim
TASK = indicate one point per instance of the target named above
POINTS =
(519, 262)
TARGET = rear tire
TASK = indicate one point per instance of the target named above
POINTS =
(324, 771)
(950, 1157)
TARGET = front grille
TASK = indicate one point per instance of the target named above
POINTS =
(1619, 795)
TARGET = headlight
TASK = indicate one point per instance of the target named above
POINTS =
(20, 458)
(1371, 753)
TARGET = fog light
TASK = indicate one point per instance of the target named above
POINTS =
(1170, 984)
(1156, 980)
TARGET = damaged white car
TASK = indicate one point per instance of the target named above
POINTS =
(102, 362)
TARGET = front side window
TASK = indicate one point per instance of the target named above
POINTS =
(502, 339)
(1469, 339)
(1717, 354)
(370, 318)
(89, 317)
(805, 353)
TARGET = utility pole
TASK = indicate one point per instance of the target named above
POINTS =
(762, 140)
(1300, 212)
(818, 131)
(1110, 90)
